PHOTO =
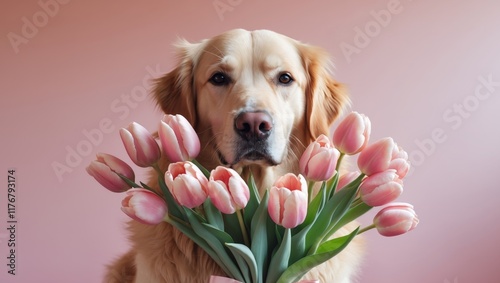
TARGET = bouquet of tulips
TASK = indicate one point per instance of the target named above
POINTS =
(251, 236)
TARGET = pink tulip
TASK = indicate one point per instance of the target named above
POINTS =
(140, 145)
(106, 169)
(399, 161)
(178, 138)
(395, 219)
(187, 183)
(319, 160)
(346, 178)
(227, 190)
(288, 200)
(144, 206)
(352, 134)
(376, 157)
(381, 188)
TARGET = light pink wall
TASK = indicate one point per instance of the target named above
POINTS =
(83, 61)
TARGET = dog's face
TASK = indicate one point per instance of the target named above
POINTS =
(251, 94)
(255, 98)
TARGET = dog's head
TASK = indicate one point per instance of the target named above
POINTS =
(254, 97)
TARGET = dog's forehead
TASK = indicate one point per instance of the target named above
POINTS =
(268, 49)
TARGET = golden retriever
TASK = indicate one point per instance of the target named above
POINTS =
(256, 100)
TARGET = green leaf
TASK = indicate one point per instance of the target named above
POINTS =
(313, 209)
(253, 202)
(334, 210)
(246, 261)
(222, 236)
(279, 261)
(128, 181)
(300, 232)
(201, 242)
(147, 187)
(232, 227)
(352, 214)
(215, 244)
(331, 185)
(261, 236)
(174, 208)
(213, 215)
(325, 252)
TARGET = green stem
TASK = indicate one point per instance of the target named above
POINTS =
(170, 219)
(128, 181)
(157, 169)
(367, 228)
(339, 161)
(243, 228)
(356, 202)
(310, 186)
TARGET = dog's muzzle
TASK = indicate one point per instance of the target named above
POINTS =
(253, 129)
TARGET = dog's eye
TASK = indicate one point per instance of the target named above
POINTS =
(219, 79)
(285, 78)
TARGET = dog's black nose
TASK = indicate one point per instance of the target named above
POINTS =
(254, 125)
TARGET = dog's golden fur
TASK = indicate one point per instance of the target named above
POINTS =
(252, 69)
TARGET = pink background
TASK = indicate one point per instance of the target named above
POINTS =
(84, 63)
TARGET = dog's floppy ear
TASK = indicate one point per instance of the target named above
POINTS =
(174, 92)
(325, 97)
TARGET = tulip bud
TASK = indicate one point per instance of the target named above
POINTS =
(352, 134)
(319, 160)
(381, 188)
(346, 178)
(227, 190)
(106, 169)
(395, 219)
(140, 145)
(399, 161)
(376, 157)
(187, 183)
(144, 206)
(178, 138)
(288, 200)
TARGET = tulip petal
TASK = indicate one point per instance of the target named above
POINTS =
(383, 194)
(395, 222)
(239, 191)
(322, 166)
(189, 137)
(144, 206)
(117, 165)
(274, 206)
(169, 143)
(107, 178)
(147, 149)
(188, 191)
(295, 209)
(128, 142)
(376, 157)
(219, 195)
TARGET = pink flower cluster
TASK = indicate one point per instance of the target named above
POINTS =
(185, 181)
(382, 164)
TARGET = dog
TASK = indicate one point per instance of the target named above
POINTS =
(256, 99)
